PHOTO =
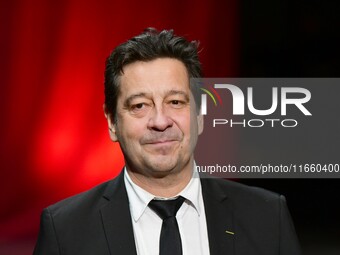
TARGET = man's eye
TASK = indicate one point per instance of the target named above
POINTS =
(177, 103)
(138, 106)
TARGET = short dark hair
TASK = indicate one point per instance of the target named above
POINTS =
(148, 46)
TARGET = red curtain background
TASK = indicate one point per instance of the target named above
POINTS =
(54, 139)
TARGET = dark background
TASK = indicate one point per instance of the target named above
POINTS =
(54, 140)
(298, 39)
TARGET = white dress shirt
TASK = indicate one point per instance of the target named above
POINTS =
(190, 217)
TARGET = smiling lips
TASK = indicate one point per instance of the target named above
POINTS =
(162, 147)
(162, 144)
(161, 138)
(161, 141)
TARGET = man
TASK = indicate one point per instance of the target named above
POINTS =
(153, 113)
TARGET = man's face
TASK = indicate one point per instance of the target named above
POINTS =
(157, 125)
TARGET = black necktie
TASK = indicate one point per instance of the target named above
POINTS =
(170, 239)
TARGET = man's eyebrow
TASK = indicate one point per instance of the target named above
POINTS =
(178, 92)
(128, 100)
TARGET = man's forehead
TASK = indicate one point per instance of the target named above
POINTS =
(140, 93)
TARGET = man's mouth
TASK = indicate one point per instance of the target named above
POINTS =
(162, 141)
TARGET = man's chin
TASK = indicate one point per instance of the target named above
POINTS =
(163, 166)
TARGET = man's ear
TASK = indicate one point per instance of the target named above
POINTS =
(111, 125)
(200, 122)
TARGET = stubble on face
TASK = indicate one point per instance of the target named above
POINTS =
(153, 123)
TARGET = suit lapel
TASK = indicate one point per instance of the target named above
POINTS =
(118, 227)
(116, 219)
(219, 217)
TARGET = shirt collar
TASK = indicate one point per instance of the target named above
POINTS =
(140, 198)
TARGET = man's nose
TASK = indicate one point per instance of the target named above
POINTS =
(160, 119)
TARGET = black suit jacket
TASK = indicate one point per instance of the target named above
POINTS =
(98, 222)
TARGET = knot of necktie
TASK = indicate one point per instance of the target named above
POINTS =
(166, 208)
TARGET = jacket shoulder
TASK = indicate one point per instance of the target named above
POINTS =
(250, 192)
(91, 199)
(238, 193)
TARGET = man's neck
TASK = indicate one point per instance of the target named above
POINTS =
(167, 186)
